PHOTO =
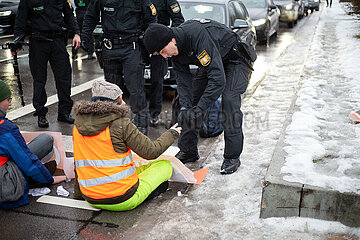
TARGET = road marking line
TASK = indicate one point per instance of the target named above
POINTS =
(60, 201)
(27, 109)
(10, 59)
(6, 36)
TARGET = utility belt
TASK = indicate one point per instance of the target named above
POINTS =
(110, 42)
(48, 35)
(244, 52)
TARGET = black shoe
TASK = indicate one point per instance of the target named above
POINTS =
(230, 165)
(187, 157)
(90, 56)
(42, 121)
(160, 189)
(143, 130)
(65, 118)
(154, 122)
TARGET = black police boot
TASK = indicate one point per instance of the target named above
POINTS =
(154, 122)
(160, 189)
(91, 56)
(187, 157)
(143, 130)
(42, 121)
(65, 118)
(230, 165)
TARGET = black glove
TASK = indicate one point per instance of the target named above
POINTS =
(190, 118)
(13, 46)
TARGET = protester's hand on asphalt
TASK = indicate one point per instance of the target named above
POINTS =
(59, 179)
(76, 41)
(176, 128)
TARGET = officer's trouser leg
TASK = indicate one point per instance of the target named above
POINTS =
(39, 54)
(236, 84)
(60, 65)
(158, 66)
(133, 67)
(189, 135)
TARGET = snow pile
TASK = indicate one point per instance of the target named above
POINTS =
(322, 144)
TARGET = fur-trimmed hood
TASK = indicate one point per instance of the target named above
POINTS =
(93, 117)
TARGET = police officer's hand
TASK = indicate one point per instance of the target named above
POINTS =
(76, 41)
(14, 47)
(176, 128)
(190, 117)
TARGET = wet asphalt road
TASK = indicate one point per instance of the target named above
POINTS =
(44, 221)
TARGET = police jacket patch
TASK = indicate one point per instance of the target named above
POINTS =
(153, 9)
(175, 8)
(204, 58)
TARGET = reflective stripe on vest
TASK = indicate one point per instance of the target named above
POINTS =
(102, 172)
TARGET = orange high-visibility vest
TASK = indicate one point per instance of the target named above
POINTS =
(102, 172)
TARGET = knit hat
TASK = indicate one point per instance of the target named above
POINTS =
(156, 37)
(102, 88)
(4, 91)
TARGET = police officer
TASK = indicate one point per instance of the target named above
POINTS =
(223, 69)
(81, 6)
(123, 22)
(167, 9)
(47, 43)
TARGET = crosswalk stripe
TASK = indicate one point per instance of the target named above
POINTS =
(66, 202)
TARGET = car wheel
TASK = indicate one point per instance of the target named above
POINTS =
(291, 24)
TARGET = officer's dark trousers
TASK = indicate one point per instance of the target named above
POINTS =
(158, 66)
(236, 84)
(123, 65)
(40, 53)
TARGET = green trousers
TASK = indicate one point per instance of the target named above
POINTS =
(150, 177)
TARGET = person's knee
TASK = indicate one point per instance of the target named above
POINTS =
(166, 168)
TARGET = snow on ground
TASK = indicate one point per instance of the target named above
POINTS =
(323, 144)
(228, 207)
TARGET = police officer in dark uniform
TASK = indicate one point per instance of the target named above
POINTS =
(81, 6)
(167, 9)
(224, 69)
(123, 22)
(47, 43)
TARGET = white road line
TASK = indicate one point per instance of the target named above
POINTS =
(67, 202)
(20, 112)
(9, 59)
(6, 36)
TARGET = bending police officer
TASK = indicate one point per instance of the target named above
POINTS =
(223, 69)
(47, 43)
(81, 6)
(123, 22)
(167, 9)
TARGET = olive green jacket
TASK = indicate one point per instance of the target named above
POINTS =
(94, 117)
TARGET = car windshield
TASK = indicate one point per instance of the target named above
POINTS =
(254, 3)
(192, 10)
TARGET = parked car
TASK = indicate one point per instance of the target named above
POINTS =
(312, 5)
(265, 16)
(301, 8)
(289, 11)
(8, 10)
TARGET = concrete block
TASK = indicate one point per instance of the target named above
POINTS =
(331, 205)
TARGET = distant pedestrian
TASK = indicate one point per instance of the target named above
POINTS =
(18, 160)
(355, 116)
(327, 3)
(48, 44)
(167, 10)
(80, 10)
(106, 176)
(224, 69)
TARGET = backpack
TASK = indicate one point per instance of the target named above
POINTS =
(212, 125)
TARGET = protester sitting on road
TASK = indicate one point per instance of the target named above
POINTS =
(355, 116)
(20, 167)
(103, 138)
